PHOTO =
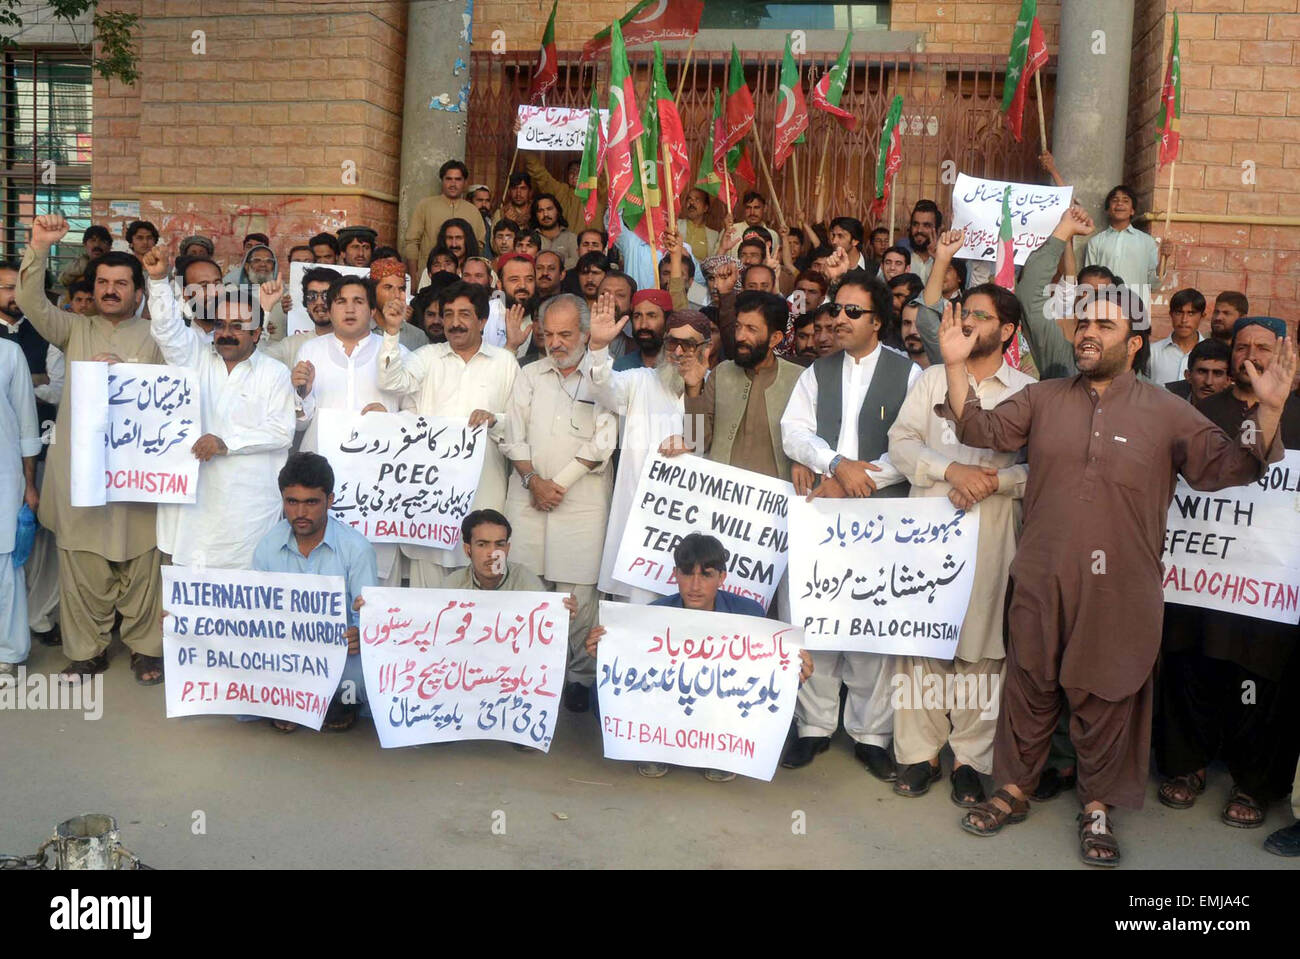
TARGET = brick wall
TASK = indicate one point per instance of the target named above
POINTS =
(285, 93)
(1240, 64)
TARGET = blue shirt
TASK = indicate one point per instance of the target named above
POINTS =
(723, 602)
(342, 552)
(629, 361)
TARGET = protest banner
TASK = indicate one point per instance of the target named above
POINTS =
(1238, 549)
(977, 209)
(691, 688)
(402, 478)
(297, 320)
(239, 642)
(882, 575)
(554, 128)
(450, 664)
(133, 427)
(687, 494)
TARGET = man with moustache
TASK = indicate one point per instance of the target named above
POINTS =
(95, 242)
(651, 402)
(247, 423)
(1207, 371)
(912, 341)
(463, 377)
(836, 432)
(922, 232)
(108, 556)
(1085, 602)
(425, 309)
(1229, 307)
(702, 240)
(510, 322)
(324, 249)
(1210, 657)
(549, 222)
(622, 287)
(924, 449)
(549, 270)
(316, 283)
(388, 274)
(650, 312)
(559, 442)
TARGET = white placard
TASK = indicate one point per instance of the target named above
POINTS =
(402, 478)
(239, 642)
(444, 664)
(689, 688)
(133, 429)
(882, 575)
(554, 128)
(678, 495)
(977, 209)
(1238, 549)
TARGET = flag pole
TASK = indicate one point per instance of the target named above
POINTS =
(646, 215)
(767, 175)
(686, 64)
(890, 186)
(1169, 209)
(820, 203)
(666, 188)
(794, 174)
(1042, 124)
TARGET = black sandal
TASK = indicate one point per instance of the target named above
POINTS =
(917, 778)
(340, 717)
(1191, 784)
(80, 669)
(1096, 833)
(141, 664)
(1239, 798)
(1051, 784)
(967, 790)
(994, 815)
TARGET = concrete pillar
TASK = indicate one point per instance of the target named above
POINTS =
(1091, 114)
(436, 98)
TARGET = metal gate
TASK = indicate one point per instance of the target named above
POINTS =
(951, 118)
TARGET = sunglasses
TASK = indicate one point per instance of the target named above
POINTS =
(851, 310)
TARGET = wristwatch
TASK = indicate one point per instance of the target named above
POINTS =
(834, 464)
(528, 478)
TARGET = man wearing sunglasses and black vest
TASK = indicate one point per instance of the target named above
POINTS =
(836, 432)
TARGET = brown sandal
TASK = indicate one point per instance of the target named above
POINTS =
(142, 664)
(994, 815)
(1239, 798)
(1097, 834)
(80, 669)
(1190, 785)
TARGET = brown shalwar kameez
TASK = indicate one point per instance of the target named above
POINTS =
(1085, 603)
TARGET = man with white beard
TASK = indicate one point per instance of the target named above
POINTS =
(559, 442)
(652, 404)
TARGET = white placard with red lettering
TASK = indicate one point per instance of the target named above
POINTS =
(238, 642)
(443, 664)
(977, 209)
(1238, 549)
(402, 478)
(689, 688)
(688, 494)
(133, 428)
(554, 128)
(882, 575)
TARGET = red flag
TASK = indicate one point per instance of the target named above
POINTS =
(791, 110)
(624, 127)
(671, 133)
(828, 91)
(1028, 55)
(1171, 108)
(743, 168)
(738, 112)
(648, 21)
(547, 73)
(890, 158)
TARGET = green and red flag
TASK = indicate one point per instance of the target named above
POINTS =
(643, 209)
(547, 72)
(1004, 271)
(1028, 56)
(738, 113)
(593, 156)
(738, 162)
(890, 157)
(648, 21)
(624, 127)
(672, 134)
(706, 176)
(791, 110)
(829, 89)
(1171, 107)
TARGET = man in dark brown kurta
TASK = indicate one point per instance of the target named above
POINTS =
(1209, 656)
(1085, 601)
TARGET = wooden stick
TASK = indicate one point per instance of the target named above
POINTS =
(820, 203)
(645, 197)
(666, 189)
(794, 173)
(1042, 124)
(767, 175)
(891, 210)
(681, 78)
(1169, 209)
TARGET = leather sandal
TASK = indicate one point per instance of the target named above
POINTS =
(915, 780)
(995, 816)
(1189, 785)
(141, 664)
(1239, 798)
(967, 790)
(80, 669)
(1095, 833)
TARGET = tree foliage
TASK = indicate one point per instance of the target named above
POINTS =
(119, 54)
